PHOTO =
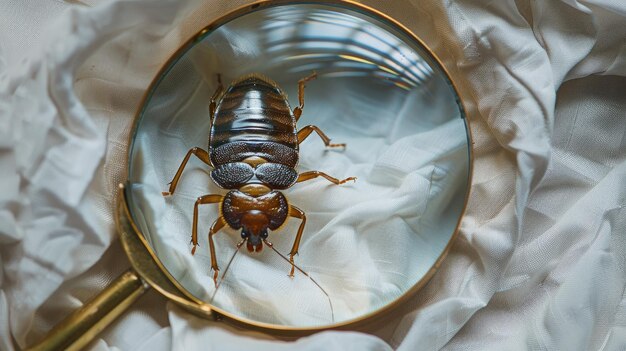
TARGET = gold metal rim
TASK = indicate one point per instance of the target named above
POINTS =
(383, 311)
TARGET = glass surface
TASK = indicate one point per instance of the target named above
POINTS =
(365, 243)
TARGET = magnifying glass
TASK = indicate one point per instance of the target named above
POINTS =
(366, 247)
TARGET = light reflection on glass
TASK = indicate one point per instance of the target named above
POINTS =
(339, 46)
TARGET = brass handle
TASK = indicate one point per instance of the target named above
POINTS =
(80, 328)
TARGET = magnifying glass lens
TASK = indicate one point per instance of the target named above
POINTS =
(365, 243)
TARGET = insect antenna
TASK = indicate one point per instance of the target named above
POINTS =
(330, 302)
(232, 258)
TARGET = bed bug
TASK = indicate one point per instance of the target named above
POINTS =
(253, 152)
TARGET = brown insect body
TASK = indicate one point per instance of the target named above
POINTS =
(253, 149)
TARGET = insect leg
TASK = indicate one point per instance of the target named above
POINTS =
(303, 177)
(306, 131)
(202, 200)
(298, 110)
(213, 104)
(297, 213)
(201, 154)
(215, 227)
(216, 94)
(232, 258)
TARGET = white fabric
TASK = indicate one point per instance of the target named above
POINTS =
(540, 260)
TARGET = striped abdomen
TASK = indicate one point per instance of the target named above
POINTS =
(252, 116)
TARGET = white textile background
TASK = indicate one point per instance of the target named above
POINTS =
(541, 259)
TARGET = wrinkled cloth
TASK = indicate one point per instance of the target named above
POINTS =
(540, 260)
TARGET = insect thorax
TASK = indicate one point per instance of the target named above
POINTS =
(237, 204)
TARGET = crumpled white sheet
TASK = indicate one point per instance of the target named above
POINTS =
(540, 260)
